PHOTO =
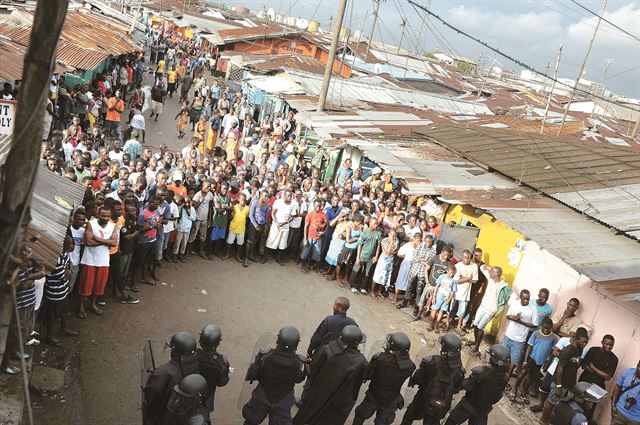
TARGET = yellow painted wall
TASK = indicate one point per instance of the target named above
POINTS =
(496, 240)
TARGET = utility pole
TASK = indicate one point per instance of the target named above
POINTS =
(19, 176)
(326, 79)
(584, 63)
(346, 42)
(353, 62)
(403, 25)
(544, 82)
(553, 86)
(376, 8)
(604, 78)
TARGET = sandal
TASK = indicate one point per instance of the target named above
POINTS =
(523, 400)
(96, 311)
(82, 314)
(134, 288)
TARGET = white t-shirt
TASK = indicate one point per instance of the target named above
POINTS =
(175, 213)
(283, 212)
(407, 251)
(463, 290)
(297, 220)
(116, 156)
(528, 313)
(411, 231)
(490, 298)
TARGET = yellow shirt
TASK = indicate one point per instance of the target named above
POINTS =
(239, 220)
(171, 76)
(160, 66)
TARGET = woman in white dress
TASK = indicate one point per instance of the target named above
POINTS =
(406, 253)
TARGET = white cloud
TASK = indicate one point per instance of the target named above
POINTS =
(626, 17)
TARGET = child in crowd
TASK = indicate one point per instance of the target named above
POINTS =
(441, 298)
(538, 348)
(237, 228)
(186, 218)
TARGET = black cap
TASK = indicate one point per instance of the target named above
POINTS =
(351, 335)
(398, 341)
(499, 355)
(182, 342)
(288, 338)
(210, 336)
(193, 385)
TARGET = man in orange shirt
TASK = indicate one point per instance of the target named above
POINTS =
(115, 106)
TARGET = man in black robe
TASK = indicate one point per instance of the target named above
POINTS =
(337, 372)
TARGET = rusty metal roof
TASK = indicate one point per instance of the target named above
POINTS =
(87, 39)
(598, 180)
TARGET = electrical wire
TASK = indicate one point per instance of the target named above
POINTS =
(605, 20)
(515, 60)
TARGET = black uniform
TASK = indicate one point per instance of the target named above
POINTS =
(277, 371)
(215, 369)
(437, 381)
(197, 416)
(387, 372)
(159, 386)
(569, 413)
(336, 375)
(328, 330)
(484, 388)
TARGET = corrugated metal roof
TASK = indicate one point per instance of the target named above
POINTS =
(588, 247)
(12, 61)
(87, 39)
(341, 89)
(598, 180)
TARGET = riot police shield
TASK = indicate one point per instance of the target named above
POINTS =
(264, 343)
(151, 356)
(428, 347)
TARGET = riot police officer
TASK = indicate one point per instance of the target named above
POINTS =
(158, 388)
(330, 327)
(185, 406)
(277, 371)
(387, 371)
(484, 388)
(213, 366)
(336, 374)
(438, 378)
(575, 410)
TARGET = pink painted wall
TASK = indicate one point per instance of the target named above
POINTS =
(604, 315)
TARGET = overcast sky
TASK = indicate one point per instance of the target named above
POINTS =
(529, 30)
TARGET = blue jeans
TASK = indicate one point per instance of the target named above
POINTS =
(159, 243)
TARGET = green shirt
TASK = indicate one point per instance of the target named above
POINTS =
(369, 242)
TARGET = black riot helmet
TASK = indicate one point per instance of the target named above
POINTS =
(499, 356)
(288, 338)
(451, 344)
(397, 341)
(210, 336)
(187, 394)
(181, 343)
(351, 335)
(591, 393)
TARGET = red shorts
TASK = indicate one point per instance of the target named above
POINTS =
(93, 280)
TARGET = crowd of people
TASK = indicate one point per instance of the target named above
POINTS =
(251, 191)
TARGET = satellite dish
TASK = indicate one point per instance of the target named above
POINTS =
(302, 23)
(271, 14)
(279, 18)
(291, 20)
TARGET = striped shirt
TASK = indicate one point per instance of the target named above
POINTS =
(56, 287)
(26, 297)
(419, 260)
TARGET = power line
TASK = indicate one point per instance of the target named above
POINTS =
(516, 61)
(604, 19)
